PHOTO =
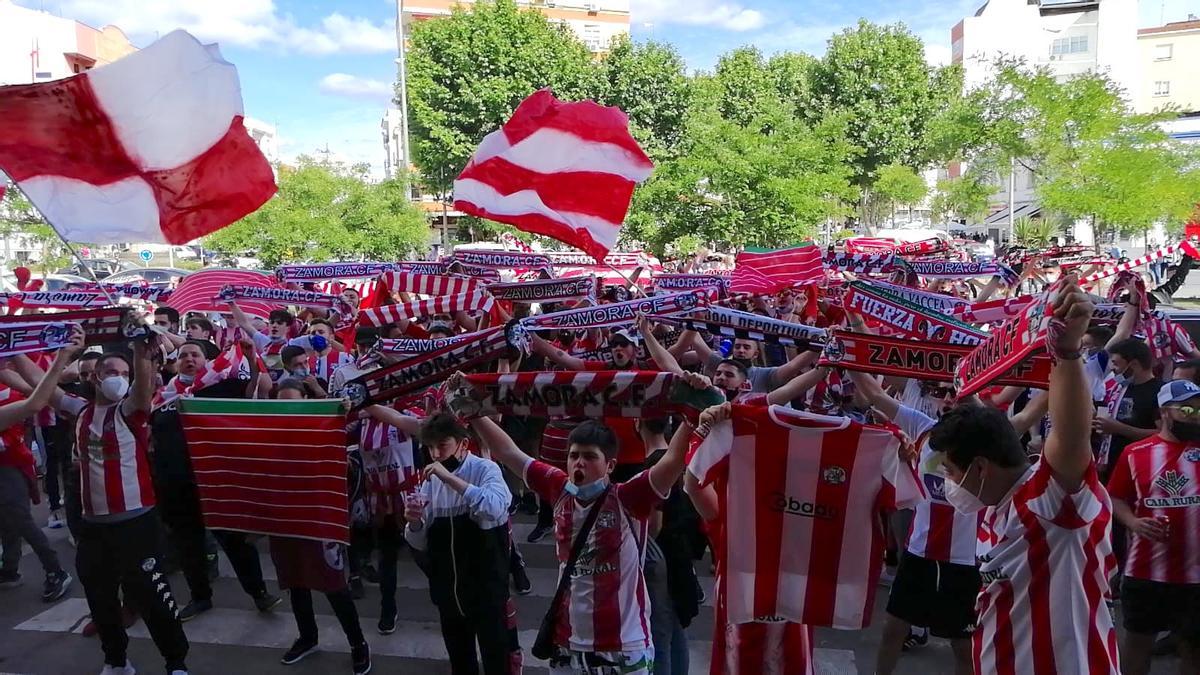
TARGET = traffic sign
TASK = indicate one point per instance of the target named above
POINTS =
(146, 255)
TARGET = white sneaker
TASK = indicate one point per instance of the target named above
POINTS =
(55, 522)
(126, 669)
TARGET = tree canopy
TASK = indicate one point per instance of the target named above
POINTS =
(328, 211)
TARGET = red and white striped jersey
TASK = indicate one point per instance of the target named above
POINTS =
(767, 648)
(113, 466)
(1045, 574)
(1160, 478)
(607, 602)
(387, 455)
(939, 532)
(323, 367)
(803, 542)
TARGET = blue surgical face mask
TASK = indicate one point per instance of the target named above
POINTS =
(300, 372)
(1125, 377)
(588, 491)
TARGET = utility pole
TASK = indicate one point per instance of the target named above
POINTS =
(402, 66)
(1012, 197)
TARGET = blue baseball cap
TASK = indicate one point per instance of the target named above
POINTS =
(1177, 391)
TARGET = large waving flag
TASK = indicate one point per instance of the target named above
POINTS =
(271, 467)
(563, 170)
(150, 148)
(760, 271)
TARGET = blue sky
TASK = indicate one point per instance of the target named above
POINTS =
(321, 70)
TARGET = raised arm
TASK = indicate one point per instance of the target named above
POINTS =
(240, 318)
(504, 450)
(1031, 414)
(871, 390)
(1068, 449)
(795, 387)
(20, 411)
(1125, 325)
(664, 474)
(406, 423)
(555, 354)
(141, 392)
(660, 354)
(785, 373)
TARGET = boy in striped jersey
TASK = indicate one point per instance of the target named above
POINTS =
(1047, 556)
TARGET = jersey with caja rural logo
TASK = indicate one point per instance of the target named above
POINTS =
(1160, 478)
(808, 546)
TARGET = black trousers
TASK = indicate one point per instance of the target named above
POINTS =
(487, 627)
(58, 463)
(389, 537)
(180, 504)
(127, 555)
(343, 607)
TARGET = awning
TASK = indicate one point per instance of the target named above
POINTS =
(1001, 217)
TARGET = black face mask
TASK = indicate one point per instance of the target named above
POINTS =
(87, 389)
(730, 394)
(1188, 432)
(452, 463)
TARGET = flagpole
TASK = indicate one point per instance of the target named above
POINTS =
(74, 253)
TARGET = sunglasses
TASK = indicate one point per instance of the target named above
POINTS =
(938, 391)
(1187, 410)
(620, 343)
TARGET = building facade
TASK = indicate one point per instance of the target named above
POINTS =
(1069, 37)
(264, 137)
(1170, 61)
(37, 46)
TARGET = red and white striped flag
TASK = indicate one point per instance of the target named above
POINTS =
(446, 304)
(761, 271)
(270, 467)
(563, 170)
(229, 364)
(200, 291)
(150, 148)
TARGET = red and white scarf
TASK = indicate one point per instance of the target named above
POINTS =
(144, 291)
(546, 290)
(953, 269)
(1186, 246)
(918, 359)
(411, 375)
(498, 260)
(429, 284)
(285, 296)
(416, 345)
(613, 393)
(993, 311)
(1008, 346)
(100, 326)
(467, 302)
(229, 364)
(55, 299)
(619, 313)
(744, 325)
(684, 282)
(328, 271)
(27, 338)
(906, 318)
(861, 263)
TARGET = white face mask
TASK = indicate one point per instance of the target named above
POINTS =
(114, 387)
(963, 500)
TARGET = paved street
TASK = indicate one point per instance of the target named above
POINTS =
(39, 639)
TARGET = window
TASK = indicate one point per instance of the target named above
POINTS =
(1162, 87)
(1076, 44)
(1163, 52)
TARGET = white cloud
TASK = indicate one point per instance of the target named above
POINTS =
(728, 15)
(342, 84)
(245, 23)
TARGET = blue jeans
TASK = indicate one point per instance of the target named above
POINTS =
(670, 641)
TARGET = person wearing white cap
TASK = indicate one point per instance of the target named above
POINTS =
(1155, 489)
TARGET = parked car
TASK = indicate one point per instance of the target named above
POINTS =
(101, 268)
(159, 277)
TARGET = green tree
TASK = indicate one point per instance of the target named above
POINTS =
(18, 216)
(877, 77)
(898, 184)
(966, 197)
(468, 72)
(649, 82)
(736, 185)
(1090, 155)
(324, 211)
